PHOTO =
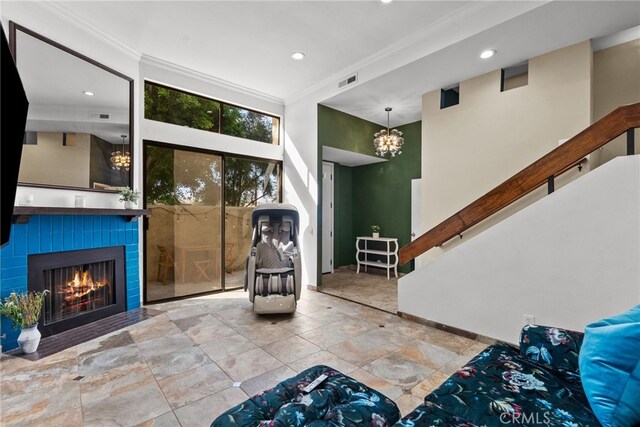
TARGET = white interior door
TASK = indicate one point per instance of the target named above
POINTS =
(416, 206)
(327, 217)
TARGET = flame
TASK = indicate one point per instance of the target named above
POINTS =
(81, 286)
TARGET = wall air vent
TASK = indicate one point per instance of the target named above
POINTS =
(349, 80)
(100, 116)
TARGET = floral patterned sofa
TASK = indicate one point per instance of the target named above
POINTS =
(337, 401)
(537, 385)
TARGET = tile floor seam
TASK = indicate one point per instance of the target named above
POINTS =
(156, 381)
(284, 339)
(80, 386)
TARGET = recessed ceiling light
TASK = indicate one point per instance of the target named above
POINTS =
(385, 1)
(297, 56)
(87, 92)
(487, 54)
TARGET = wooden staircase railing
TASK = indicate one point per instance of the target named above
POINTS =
(622, 119)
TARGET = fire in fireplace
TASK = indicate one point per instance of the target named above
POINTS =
(83, 286)
(78, 289)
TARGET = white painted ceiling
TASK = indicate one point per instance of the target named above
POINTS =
(426, 44)
(249, 43)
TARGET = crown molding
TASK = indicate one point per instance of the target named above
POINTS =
(206, 78)
(75, 20)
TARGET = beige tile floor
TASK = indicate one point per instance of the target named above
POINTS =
(203, 355)
(371, 288)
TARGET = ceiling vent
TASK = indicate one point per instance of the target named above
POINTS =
(348, 81)
(101, 116)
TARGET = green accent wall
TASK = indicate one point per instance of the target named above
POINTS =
(341, 130)
(373, 194)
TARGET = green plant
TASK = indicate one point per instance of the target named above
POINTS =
(128, 195)
(375, 228)
(23, 309)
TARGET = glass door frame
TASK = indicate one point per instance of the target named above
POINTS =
(148, 142)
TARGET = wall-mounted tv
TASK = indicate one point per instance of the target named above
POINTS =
(13, 118)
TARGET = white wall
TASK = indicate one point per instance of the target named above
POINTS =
(569, 259)
(301, 176)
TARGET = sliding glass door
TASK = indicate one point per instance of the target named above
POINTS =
(183, 189)
(189, 249)
(247, 183)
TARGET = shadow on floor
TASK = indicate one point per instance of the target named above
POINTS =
(371, 288)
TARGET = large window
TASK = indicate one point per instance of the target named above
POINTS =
(173, 106)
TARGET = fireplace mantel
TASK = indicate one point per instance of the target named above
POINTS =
(22, 214)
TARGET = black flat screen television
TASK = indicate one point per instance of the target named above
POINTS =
(13, 119)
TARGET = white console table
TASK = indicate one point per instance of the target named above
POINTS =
(390, 254)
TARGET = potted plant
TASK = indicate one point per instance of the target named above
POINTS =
(129, 197)
(376, 231)
(24, 310)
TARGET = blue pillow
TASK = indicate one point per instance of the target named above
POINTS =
(610, 368)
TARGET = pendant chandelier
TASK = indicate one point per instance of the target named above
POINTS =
(121, 159)
(388, 141)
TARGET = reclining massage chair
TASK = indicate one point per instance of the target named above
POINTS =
(273, 276)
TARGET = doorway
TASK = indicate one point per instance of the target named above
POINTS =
(327, 217)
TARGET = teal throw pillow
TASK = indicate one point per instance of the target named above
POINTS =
(610, 368)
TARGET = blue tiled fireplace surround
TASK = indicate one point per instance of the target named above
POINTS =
(56, 233)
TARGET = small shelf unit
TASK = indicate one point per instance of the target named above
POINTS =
(385, 247)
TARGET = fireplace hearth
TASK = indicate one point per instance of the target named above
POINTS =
(84, 286)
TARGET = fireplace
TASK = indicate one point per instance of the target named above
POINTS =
(84, 286)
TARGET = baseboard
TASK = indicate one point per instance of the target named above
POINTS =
(451, 329)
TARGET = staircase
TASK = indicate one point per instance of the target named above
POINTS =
(544, 170)
(568, 259)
